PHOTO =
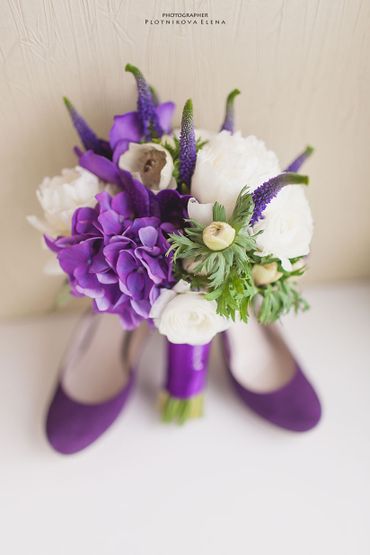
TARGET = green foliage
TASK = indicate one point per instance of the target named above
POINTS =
(243, 210)
(225, 274)
(278, 299)
(219, 213)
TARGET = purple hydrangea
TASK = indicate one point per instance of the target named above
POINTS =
(116, 254)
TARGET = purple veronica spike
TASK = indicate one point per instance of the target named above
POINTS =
(146, 105)
(154, 94)
(297, 162)
(188, 151)
(228, 124)
(264, 194)
(88, 138)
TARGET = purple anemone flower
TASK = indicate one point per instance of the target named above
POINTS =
(116, 254)
(151, 118)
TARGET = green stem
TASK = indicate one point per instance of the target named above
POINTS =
(180, 410)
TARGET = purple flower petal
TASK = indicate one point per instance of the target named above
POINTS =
(165, 113)
(126, 127)
(100, 166)
(173, 206)
(99, 263)
(148, 236)
(153, 266)
(111, 222)
(107, 277)
(121, 204)
(71, 257)
(141, 307)
(139, 223)
(87, 283)
(138, 194)
(119, 149)
(112, 251)
(135, 283)
(126, 264)
(129, 318)
(83, 221)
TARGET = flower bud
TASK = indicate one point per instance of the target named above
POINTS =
(264, 274)
(217, 236)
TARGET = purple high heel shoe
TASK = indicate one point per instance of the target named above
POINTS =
(95, 382)
(267, 377)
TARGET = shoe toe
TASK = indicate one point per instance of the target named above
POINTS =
(298, 407)
(295, 406)
(72, 426)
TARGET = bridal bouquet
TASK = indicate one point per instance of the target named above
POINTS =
(188, 229)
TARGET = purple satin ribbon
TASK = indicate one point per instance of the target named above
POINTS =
(186, 369)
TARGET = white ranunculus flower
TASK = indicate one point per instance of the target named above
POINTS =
(151, 164)
(185, 316)
(61, 195)
(226, 164)
(287, 226)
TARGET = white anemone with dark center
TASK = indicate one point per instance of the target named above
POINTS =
(151, 164)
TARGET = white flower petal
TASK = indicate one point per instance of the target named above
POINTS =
(287, 226)
(202, 213)
(190, 318)
(182, 286)
(229, 162)
(39, 224)
(61, 195)
(166, 295)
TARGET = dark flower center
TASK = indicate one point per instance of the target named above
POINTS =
(151, 164)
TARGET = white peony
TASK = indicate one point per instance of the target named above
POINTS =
(287, 226)
(226, 164)
(229, 162)
(61, 195)
(151, 164)
(185, 316)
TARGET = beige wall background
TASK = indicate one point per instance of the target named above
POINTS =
(303, 67)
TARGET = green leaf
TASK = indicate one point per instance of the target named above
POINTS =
(219, 212)
(278, 299)
(243, 210)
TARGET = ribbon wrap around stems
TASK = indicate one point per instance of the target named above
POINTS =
(186, 369)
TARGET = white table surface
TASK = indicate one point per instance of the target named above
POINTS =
(229, 484)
